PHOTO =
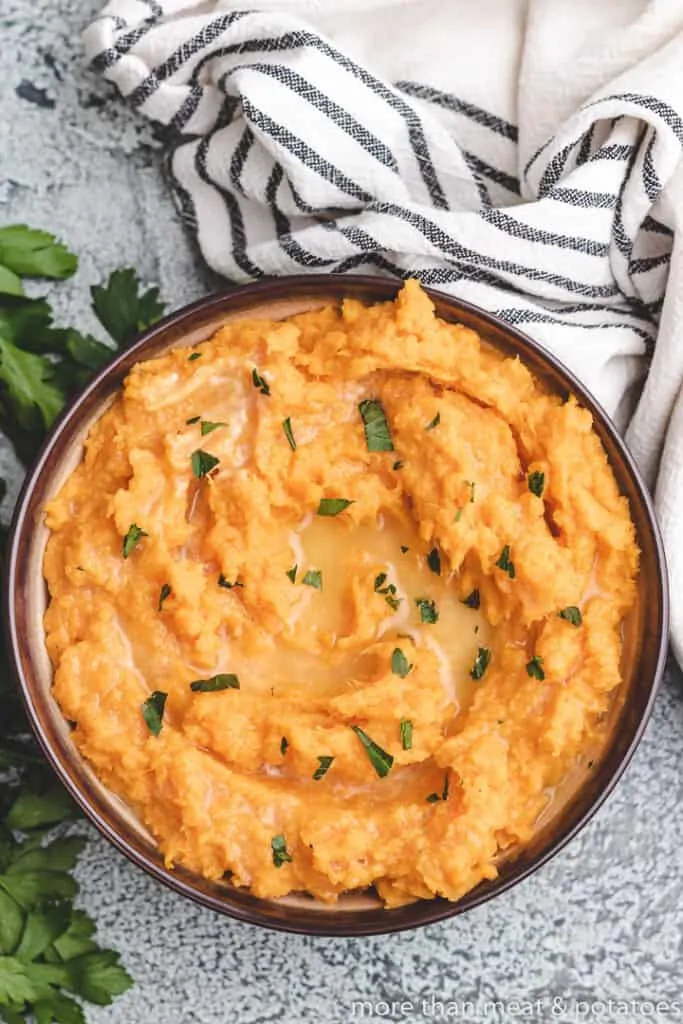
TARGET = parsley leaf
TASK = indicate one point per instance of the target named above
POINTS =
(153, 711)
(404, 549)
(435, 798)
(289, 434)
(407, 734)
(291, 573)
(36, 810)
(194, 355)
(428, 610)
(32, 253)
(505, 563)
(132, 539)
(192, 420)
(259, 382)
(434, 423)
(28, 387)
(536, 482)
(323, 768)
(434, 561)
(281, 855)
(208, 427)
(223, 681)
(202, 463)
(387, 590)
(400, 665)
(98, 976)
(224, 582)
(164, 593)
(534, 668)
(284, 743)
(333, 506)
(377, 433)
(481, 663)
(313, 578)
(572, 614)
(398, 465)
(380, 760)
(10, 283)
(122, 308)
(473, 600)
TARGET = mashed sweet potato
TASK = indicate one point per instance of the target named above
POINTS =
(337, 601)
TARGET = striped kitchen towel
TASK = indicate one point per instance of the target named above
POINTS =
(524, 155)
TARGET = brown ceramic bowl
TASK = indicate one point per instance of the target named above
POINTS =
(356, 914)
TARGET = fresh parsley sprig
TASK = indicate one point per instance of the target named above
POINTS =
(48, 957)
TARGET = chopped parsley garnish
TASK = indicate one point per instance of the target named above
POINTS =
(259, 383)
(132, 539)
(291, 573)
(398, 465)
(458, 515)
(400, 665)
(434, 423)
(471, 484)
(428, 610)
(284, 743)
(504, 562)
(380, 760)
(407, 734)
(572, 614)
(278, 845)
(208, 427)
(323, 768)
(153, 711)
(195, 355)
(473, 600)
(202, 463)
(404, 549)
(387, 590)
(287, 427)
(163, 594)
(435, 798)
(192, 420)
(481, 663)
(536, 482)
(224, 582)
(333, 506)
(377, 434)
(534, 668)
(434, 561)
(223, 681)
(313, 578)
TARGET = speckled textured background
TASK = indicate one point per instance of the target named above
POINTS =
(603, 921)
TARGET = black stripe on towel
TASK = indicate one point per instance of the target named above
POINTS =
(312, 160)
(299, 39)
(449, 246)
(485, 170)
(238, 236)
(517, 229)
(341, 117)
(460, 106)
(188, 49)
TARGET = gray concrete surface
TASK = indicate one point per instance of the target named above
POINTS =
(603, 921)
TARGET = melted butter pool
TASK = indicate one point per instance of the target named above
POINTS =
(348, 556)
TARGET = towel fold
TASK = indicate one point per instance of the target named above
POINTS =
(524, 156)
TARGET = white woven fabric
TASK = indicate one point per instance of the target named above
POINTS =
(525, 156)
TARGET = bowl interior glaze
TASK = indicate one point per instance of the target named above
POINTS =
(26, 598)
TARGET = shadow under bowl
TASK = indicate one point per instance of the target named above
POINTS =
(26, 598)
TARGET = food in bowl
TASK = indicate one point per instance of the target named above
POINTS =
(337, 601)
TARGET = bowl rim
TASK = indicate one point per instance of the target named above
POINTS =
(381, 921)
